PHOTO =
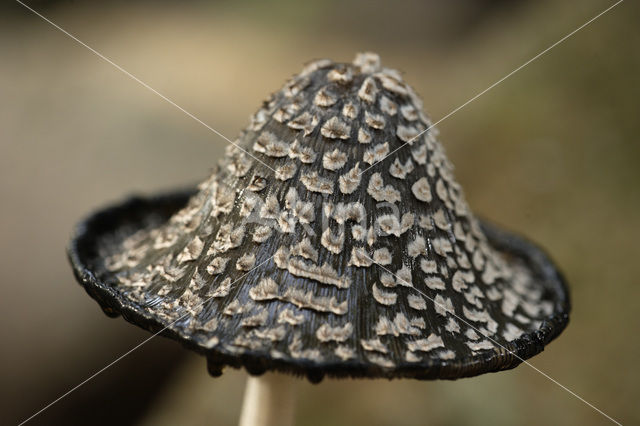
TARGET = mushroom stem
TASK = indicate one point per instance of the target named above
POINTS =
(268, 401)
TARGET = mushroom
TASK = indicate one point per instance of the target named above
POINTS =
(332, 241)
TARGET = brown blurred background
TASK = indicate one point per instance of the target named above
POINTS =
(552, 152)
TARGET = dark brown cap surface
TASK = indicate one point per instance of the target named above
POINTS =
(312, 250)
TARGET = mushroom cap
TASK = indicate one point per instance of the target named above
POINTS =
(294, 256)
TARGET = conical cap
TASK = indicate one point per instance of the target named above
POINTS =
(332, 239)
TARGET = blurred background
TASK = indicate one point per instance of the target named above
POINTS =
(552, 152)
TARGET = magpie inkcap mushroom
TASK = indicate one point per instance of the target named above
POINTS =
(313, 251)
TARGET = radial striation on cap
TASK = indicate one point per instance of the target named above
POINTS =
(346, 261)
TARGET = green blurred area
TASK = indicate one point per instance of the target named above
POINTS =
(552, 152)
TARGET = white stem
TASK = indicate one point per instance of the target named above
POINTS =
(268, 401)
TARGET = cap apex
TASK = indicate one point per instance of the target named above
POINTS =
(368, 62)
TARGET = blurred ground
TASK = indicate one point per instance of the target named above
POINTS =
(552, 152)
